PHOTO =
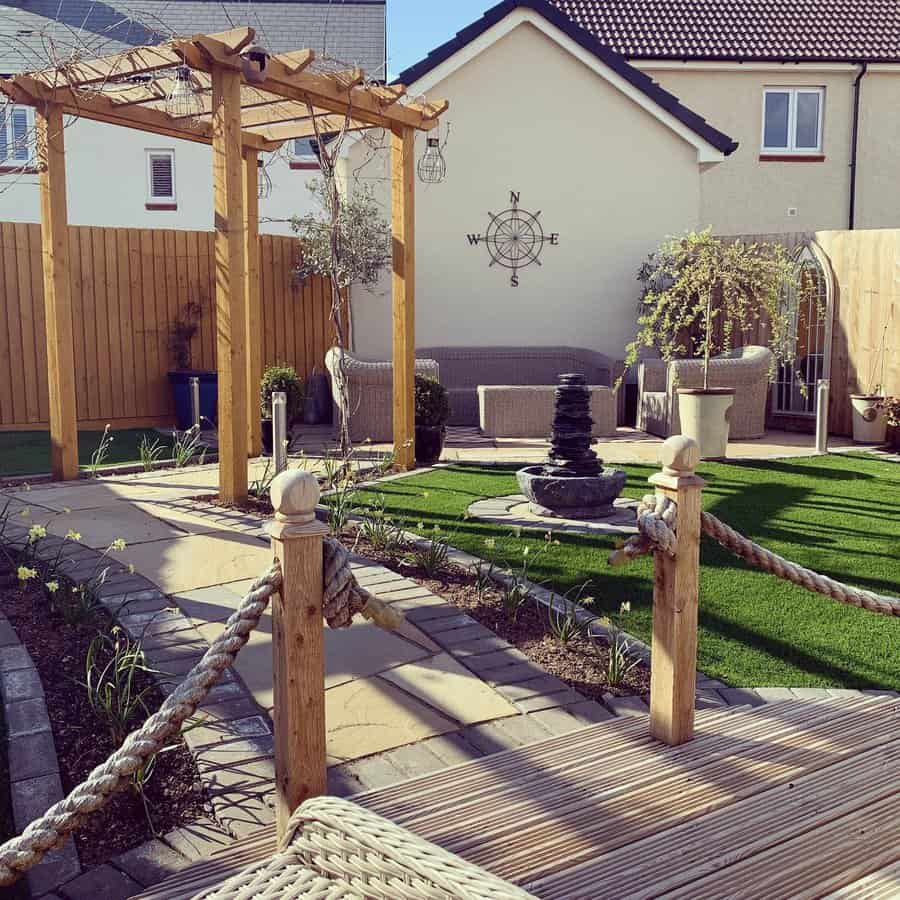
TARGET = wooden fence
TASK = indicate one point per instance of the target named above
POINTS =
(128, 288)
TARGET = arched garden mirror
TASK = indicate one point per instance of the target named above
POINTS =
(794, 388)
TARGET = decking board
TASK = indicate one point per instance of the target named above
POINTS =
(789, 799)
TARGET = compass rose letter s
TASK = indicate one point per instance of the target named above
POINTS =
(514, 238)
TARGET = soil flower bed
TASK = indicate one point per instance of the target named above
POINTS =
(582, 662)
(172, 796)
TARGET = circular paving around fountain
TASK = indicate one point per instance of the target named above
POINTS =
(514, 511)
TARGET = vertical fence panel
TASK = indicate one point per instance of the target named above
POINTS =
(128, 286)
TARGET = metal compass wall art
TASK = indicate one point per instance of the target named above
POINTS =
(514, 238)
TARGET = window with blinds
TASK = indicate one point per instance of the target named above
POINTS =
(16, 135)
(161, 176)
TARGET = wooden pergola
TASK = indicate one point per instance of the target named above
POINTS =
(249, 102)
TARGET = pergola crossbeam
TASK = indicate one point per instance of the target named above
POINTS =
(238, 115)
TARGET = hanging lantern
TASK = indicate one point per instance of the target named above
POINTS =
(254, 63)
(263, 181)
(183, 101)
(432, 167)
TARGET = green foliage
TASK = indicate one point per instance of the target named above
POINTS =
(356, 249)
(700, 293)
(619, 662)
(382, 531)
(281, 377)
(341, 487)
(151, 452)
(432, 402)
(74, 603)
(567, 622)
(432, 555)
(112, 666)
(99, 456)
(188, 448)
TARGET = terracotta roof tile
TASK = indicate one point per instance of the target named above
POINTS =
(824, 30)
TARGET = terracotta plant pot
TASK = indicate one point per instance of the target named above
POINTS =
(429, 443)
(869, 422)
(706, 417)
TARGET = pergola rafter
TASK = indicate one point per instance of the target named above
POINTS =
(291, 98)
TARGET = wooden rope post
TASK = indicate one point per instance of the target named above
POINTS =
(673, 678)
(298, 654)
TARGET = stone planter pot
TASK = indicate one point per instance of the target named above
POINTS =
(869, 422)
(706, 417)
(429, 443)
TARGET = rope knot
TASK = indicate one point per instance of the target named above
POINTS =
(656, 519)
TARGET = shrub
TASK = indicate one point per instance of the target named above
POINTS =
(281, 377)
(432, 402)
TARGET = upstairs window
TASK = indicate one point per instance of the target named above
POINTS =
(16, 136)
(792, 120)
(160, 177)
(304, 153)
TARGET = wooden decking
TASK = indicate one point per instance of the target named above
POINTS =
(796, 799)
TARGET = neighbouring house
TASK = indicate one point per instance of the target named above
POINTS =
(126, 178)
(624, 121)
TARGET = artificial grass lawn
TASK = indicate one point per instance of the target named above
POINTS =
(28, 452)
(839, 515)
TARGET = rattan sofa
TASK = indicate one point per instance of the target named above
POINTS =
(463, 369)
(746, 369)
(371, 386)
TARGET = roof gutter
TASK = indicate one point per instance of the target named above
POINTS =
(863, 68)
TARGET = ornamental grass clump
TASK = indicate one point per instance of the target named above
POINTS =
(703, 296)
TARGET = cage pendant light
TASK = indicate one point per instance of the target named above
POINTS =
(263, 181)
(432, 167)
(183, 101)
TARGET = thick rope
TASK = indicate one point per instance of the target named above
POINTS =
(789, 571)
(342, 599)
(656, 516)
(656, 523)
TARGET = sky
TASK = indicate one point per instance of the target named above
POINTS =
(415, 27)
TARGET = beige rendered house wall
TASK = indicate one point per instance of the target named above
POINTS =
(748, 196)
(606, 175)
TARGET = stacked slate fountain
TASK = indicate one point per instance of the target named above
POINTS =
(573, 483)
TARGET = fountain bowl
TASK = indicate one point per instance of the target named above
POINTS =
(571, 497)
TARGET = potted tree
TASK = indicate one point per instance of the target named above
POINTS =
(432, 412)
(182, 331)
(700, 294)
(280, 377)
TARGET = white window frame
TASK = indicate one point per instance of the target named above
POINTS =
(792, 148)
(160, 151)
(8, 162)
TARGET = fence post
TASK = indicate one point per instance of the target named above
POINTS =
(822, 400)
(195, 402)
(673, 677)
(298, 644)
(279, 430)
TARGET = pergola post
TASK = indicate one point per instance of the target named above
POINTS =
(57, 297)
(254, 317)
(231, 306)
(403, 196)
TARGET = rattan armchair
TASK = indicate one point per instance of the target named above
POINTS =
(371, 387)
(747, 370)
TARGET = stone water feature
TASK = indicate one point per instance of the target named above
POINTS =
(573, 483)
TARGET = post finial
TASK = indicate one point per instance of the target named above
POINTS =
(294, 494)
(679, 455)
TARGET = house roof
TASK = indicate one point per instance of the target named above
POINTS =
(37, 33)
(637, 79)
(744, 30)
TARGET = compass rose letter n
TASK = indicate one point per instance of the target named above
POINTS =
(514, 238)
